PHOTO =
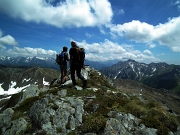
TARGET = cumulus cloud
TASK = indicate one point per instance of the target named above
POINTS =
(147, 52)
(166, 34)
(135, 31)
(109, 50)
(7, 40)
(8, 47)
(27, 51)
(70, 13)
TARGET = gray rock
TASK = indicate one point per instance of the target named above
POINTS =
(18, 127)
(30, 91)
(5, 119)
(55, 115)
(62, 93)
(126, 124)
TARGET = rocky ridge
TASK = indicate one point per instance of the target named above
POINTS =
(98, 109)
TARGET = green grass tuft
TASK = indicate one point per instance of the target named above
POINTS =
(93, 124)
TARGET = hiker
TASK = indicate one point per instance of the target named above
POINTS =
(63, 64)
(76, 64)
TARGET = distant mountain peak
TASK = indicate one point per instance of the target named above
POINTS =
(156, 75)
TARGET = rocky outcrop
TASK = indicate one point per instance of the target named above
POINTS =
(57, 112)
(60, 115)
(126, 124)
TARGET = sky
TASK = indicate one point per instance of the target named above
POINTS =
(143, 30)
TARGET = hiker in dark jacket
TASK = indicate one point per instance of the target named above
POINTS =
(75, 64)
(63, 65)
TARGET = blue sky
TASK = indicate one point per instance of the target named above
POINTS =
(143, 30)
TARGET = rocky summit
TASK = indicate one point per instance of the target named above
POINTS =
(102, 108)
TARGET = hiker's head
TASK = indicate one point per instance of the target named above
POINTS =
(65, 49)
(73, 43)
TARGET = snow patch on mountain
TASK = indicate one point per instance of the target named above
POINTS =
(45, 83)
(117, 74)
(26, 80)
(132, 66)
(153, 69)
(12, 89)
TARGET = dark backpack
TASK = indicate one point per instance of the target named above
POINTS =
(81, 55)
(60, 59)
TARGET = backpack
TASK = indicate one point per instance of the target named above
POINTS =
(60, 58)
(81, 55)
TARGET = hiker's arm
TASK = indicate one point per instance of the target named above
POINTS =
(68, 59)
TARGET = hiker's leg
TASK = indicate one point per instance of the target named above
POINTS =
(64, 73)
(73, 75)
(81, 77)
(78, 72)
(65, 70)
(61, 68)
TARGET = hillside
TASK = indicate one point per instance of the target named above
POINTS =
(104, 107)
(14, 78)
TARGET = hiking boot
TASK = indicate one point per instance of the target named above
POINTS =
(84, 83)
(74, 84)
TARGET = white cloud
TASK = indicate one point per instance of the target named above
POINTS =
(135, 31)
(165, 34)
(102, 31)
(27, 51)
(102, 51)
(71, 13)
(7, 40)
(108, 50)
(147, 52)
(151, 45)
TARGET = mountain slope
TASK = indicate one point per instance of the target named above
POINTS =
(156, 75)
(99, 109)
(18, 78)
(166, 97)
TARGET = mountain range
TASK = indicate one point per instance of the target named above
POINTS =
(155, 75)
(47, 62)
